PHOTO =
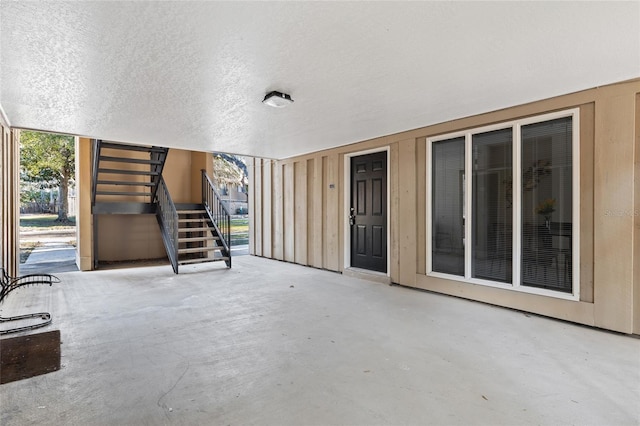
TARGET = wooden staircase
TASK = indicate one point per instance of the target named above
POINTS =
(198, 241)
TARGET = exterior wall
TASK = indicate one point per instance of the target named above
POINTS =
(9, 199)
(84, 218)
(609, 222)
(136, 237)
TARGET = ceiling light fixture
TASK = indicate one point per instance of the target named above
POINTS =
(277, 99)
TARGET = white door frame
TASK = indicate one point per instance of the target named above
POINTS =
(347, 204)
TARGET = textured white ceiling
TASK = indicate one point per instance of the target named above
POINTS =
(193, 74)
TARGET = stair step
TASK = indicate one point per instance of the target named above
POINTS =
(199, 249)
(192, 211)
(194, 229)
(124, 182)
(197, 239)
(132, 147)
(129, 160)
(198, 220)
(128, 172)
(128, 194)
(203, 260)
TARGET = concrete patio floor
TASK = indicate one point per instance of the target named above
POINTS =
(271, 343)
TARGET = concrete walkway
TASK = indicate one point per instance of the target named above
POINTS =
(55, 253)
(271, 343)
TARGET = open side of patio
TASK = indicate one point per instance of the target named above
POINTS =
(269, 342)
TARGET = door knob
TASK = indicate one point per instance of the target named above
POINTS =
(352, 217)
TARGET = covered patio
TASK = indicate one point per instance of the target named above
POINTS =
(269, 342)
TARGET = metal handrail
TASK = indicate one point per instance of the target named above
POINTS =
(167, 216)
(161, 157)
(218, 213)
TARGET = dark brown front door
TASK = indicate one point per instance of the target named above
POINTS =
(368, 219)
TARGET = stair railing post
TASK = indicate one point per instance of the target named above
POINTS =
(218, 213)
(203, 187)
(175, 236)
(168, 218)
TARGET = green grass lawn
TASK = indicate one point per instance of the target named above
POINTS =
(239, 225)
(44, 222)
(40, 222)
(239, 230)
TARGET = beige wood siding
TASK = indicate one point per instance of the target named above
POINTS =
(255, 184)
(330, 198)
(587, 126)
(9, 200)
(299, 220)
(613, 204)
(609, 200)
(277, 212)
(314, 212)
(129, 237)
(267, 211)
(289, 212)
(84, 218)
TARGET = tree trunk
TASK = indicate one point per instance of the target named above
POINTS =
(63, 200)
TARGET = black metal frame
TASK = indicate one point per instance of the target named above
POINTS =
(157, 156)
(167, 216)
(9, 284)
(160, 203)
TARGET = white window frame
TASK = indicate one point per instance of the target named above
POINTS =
(516, 126)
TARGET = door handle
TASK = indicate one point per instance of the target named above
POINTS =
(352, 217)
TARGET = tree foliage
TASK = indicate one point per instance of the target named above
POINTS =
(226, 172)
(49, 160)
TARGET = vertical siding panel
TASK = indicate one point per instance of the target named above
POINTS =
(84, 219)
(258, 207)
(277, 237)
(267, 210)
(4, 132)
(314, 211)
(324, 210)
(330, 208)
(340, 211)
(6, 201)
(289, 224)
(613, 269)
(16, 200)
(251, 168)
(407, 212)
(395, 216)
(300, 203)
(4, 138)
(587, 115)
(311, 213)
(13, 203)
(421, 206)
